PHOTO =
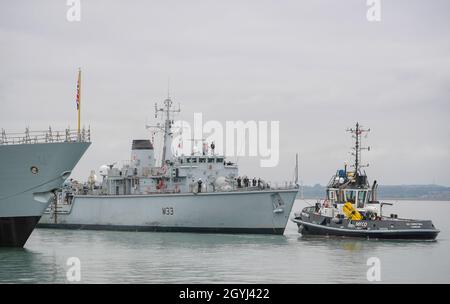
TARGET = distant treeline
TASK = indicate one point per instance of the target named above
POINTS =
(414, 192)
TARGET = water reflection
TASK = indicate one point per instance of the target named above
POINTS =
(26, 266)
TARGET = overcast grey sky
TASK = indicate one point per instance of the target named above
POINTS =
(316, 66)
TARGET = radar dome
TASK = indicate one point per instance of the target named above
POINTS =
(103, 170)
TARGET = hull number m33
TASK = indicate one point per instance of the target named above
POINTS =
(167, 211)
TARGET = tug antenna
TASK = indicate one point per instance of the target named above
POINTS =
(357, 134)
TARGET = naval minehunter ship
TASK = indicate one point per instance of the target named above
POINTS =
(351, 209)
(33, 165)
(200, 192)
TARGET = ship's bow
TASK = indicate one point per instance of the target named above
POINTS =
(30, 173)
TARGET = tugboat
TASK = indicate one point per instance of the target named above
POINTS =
(351, 208)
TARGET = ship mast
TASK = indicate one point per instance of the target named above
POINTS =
(357, 133)
(167, 112)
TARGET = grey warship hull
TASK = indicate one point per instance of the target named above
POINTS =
(29, 175)
(311, 223)
(253, 212)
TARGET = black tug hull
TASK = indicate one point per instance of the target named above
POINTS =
(309, 229)
(310, 222)
(15, 231)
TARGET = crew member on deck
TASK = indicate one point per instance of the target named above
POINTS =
(213, 146)
(245, 181)
(199, 185)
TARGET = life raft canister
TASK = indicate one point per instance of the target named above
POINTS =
(351, 212)
(160, 184)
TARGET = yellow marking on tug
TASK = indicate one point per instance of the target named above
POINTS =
(351, 213)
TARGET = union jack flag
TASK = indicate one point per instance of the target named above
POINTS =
(78, 89)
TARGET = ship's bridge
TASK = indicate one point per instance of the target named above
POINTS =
(206, 167)
(358, 197)
(205, 159)
(349, 187)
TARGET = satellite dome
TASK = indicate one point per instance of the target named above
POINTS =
(103, 170)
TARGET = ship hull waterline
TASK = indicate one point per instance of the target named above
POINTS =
(237, 212)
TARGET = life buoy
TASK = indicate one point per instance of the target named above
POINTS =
(163, 170)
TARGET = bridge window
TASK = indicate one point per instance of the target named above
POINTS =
(202, 160)
(362, 198)
(350, 196)
(331, 195)
(210, 160)
(219, 160)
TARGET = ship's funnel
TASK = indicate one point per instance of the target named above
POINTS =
(142, 153)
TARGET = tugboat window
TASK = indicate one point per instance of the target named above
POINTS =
(351, 196)
(361, 199)
(331, 195)
(339, 195)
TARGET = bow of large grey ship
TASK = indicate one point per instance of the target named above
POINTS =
(33, 165)
(199, 192)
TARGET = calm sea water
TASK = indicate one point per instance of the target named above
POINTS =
(146, 257)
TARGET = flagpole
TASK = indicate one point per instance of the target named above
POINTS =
(79, 101)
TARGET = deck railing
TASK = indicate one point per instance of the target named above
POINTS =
(47, 136)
